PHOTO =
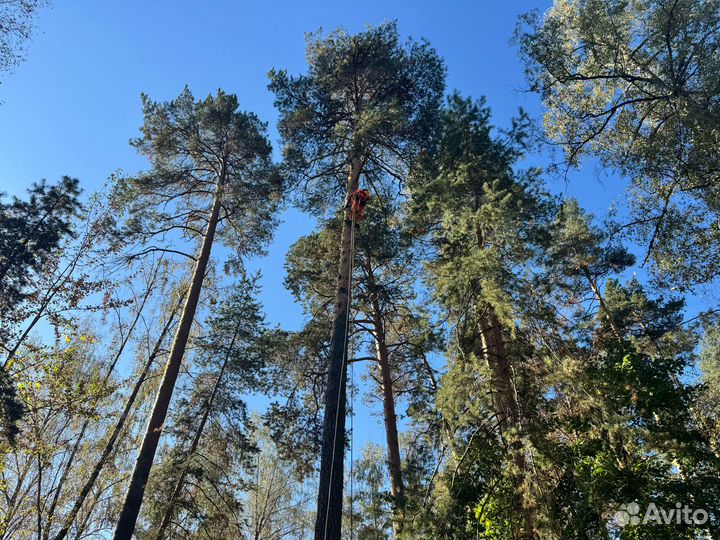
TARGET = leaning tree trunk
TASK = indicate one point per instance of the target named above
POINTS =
(170, 510)
(328, 521)
(119, 425)
(391, 431)
(136, 490)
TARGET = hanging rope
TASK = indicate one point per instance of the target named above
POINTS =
(352, 445)
(358, 200)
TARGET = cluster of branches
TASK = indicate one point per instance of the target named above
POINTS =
(526, 387)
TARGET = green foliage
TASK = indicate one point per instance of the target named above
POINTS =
(485, 219)
(211, 428)
(623, 426)
(535, 389)
(488, 224)
(194, 148)
(636, 84)
(371, 500)
(365, 96)
(30, 233)
(60, 387)
(277, 504)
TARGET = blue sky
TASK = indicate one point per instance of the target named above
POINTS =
(72, 106)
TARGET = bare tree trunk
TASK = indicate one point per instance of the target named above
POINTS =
(119, 425)
(328, 521)
(136, 490)
(170, 510)
(390, 417)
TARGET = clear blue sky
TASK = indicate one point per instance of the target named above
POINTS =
(72, 106)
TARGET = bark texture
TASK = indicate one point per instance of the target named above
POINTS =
(328, 523)
(170, 510)
(389, 415)
(506, 406)
(136, 490)
(119, 425)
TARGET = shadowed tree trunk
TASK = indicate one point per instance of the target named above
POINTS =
(389, 415)
(328, 524)
(506, 405)
(136, 490)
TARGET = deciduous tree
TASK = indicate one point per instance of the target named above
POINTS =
(636, 84)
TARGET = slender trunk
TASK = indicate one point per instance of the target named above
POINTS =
(136, 490)
(86, 422)
(38, 505)
(170, 510)
(391, 431)
(506, 406)
(119, 425)
(328, 521)
(80, 529)
(11, 506)
(56, 286)
(39, 428)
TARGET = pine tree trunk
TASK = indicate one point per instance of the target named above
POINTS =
(504, 398)
(328, 523)
(391, 431)
(119, 425)
(170, 510)
(136, 490)
(503, 394)
(506, 405)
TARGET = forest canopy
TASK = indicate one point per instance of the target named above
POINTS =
(536, 370)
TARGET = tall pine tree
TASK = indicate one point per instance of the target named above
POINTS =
(368, 104)
(211, 172)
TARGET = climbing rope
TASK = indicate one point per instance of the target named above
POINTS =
(352, 445)
(357, 202)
